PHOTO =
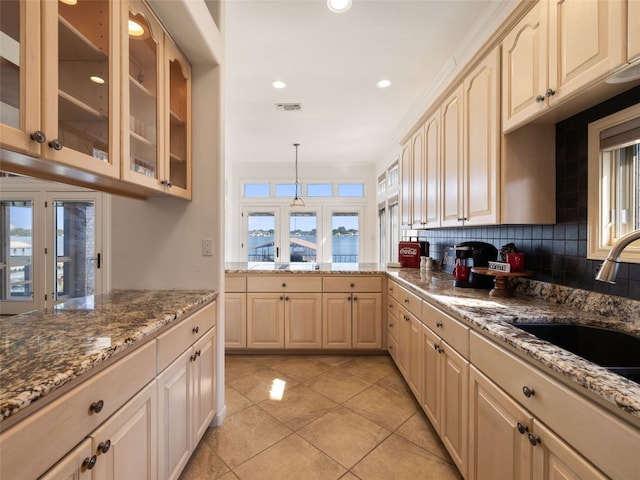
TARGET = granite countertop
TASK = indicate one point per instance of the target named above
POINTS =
(310, 267)
(43, 350)
(544, 303)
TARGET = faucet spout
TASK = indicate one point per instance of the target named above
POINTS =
(609, 268)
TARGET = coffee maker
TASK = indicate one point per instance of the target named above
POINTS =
(475, 254)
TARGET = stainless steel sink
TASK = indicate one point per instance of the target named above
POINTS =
(616, 351)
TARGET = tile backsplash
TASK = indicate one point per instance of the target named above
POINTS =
(557, 253)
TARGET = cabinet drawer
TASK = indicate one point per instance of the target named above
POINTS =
(32, 446)
(447, 328)
(284, 283)
(352, 283)
(408, 300)
(176, 340)
(607, 441)
(235, 283)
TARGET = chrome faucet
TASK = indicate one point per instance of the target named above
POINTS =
(609, 268)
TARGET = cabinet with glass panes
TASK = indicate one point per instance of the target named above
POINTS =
(60, 90)
(157, 93)
(97, 86)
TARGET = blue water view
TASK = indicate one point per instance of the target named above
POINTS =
(345, 249)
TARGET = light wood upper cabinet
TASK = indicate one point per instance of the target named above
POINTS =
(559, 48)
(20, 68)
(157, 92)
(452, 153)
(633, 30)
(60, 84)
(406, 186)
(419, 178)
(524, 67)
(432, 150)
(481, 170)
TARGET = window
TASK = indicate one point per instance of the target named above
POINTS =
(16, 255)
(256, 189)
(303, 232)
(394, 177)
(319, 190)
(345, 237)
(261, 237)
(287, 190)
(382, 233)
(351, 190)
(394, 230)
(382, 185)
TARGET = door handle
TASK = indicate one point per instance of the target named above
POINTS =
(98, 259)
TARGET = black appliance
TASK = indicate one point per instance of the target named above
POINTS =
(475, 254)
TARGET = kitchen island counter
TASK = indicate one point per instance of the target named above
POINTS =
(45, 352)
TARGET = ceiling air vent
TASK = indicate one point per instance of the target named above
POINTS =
(288, 107)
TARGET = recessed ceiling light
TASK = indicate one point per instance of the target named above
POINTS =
(278, 84)
(70, 2)
(383, 84)
(135, 29)
(96, 79)
(339, 6)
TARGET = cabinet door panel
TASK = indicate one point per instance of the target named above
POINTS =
(415, 358)
(418, 179)
(235, 320)
(336, 320)
(71, 466)
(633, 30)
(367, 320)
(586, 43)
(132, 435)
(432, 170)
(265, 320)
(496, 448)
(452, 154)
(174, 413)
(431, 373)
(303, 320)
(203, 386)
(524, 68)
(481, 142)
(406, 187)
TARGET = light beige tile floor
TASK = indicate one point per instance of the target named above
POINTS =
(340, 417)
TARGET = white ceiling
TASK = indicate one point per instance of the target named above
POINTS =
(331, 63)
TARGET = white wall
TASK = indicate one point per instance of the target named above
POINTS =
(241, 173)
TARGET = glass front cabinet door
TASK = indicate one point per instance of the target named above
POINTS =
(20, 77)
(81, 84)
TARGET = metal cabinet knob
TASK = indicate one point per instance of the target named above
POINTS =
(96, 407)
(38, 136)
(89, 463)
(104, 447)
(533, 440)
(195, 329)
(528, 392)
(522, 428)
(550, 92)
(56, 144)
(439, 324)
(540, 99)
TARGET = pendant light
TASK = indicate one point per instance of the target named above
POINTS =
(297, 201)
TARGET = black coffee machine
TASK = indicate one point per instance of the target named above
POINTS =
(475, 254)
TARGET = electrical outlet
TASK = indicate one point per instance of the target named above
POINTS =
(207, 247)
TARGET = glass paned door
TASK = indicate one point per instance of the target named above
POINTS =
(144, 42)
(76, 259)
(345, 237)
(10, 61)
(16, 255)
(262, 240)
(179, 114)
(84, 77)
(303, 237)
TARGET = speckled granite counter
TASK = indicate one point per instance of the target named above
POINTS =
(314, 268)
(544, 303)
(43, 350)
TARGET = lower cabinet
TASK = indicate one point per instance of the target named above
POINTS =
(235, 320)
(352, 320)
(284, 320)
(125, 445)
(185, 405)
(508, 442)
(445, 395)
(74, 465)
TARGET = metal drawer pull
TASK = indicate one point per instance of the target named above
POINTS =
(89, 463)
(522, 428)
(439, 324)
(528, 392)
(195, 330)
(96, 407)
(104, 446)
(533, 440)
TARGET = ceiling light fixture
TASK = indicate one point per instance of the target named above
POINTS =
(297, 201)
(96, 79)
(70, 2)
(338, 6)
(383, 84)
(278, 84)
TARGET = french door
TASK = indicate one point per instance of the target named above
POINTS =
(51, 248)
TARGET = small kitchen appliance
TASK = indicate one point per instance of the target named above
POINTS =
(469, 255)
